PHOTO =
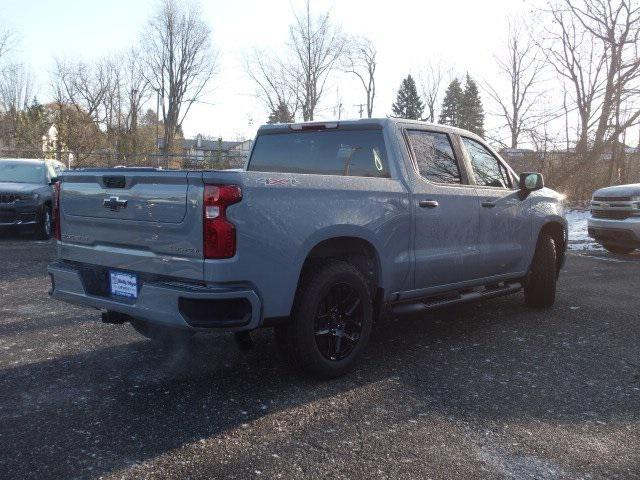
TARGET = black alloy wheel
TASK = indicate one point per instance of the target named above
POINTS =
(338, 324)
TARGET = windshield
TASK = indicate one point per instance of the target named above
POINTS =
(21, 172)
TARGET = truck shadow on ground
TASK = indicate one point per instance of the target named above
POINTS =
(100, 411)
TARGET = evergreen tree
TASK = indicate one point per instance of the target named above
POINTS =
(451, 111)
(30, 124)
(281, 114)
(472, 111)
(408, 103)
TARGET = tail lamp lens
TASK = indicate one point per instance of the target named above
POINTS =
(56, 211)
(219, 232)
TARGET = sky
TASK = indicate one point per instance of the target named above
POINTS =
(462, 35)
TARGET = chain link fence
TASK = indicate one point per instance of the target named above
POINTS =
(212, 160)
(565, 172)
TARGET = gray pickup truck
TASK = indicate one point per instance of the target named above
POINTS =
(330, 226)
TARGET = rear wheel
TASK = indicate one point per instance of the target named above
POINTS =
(45, 225)
(618, 250)
(164, 335)
(540, 288)
(331, 321)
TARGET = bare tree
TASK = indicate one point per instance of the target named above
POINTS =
(16, 88)
(7, 41)
(79, 109)
(77, 132)
(275, 88)
(138, 92)
(316, 45)
(521, 66)
(360, 60)
(431, 85)
(180, 59)
(128, 88)
(595, 48)
(83, 86)
(579, 60)
(113, 101)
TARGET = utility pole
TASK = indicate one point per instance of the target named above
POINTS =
(157, 126)
(133, 127)
(338, 107)
(360, 108)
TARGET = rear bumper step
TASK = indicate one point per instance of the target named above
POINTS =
(189, 308)
(426, 305)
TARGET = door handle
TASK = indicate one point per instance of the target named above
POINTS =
(428, 203)
(488, 204)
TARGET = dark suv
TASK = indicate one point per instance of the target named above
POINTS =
(27, 194)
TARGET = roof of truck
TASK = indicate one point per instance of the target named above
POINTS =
(365, 122)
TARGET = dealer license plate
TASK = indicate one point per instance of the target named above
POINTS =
(123, 284)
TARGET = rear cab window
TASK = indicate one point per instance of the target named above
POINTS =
(434, 156)
(354, 153)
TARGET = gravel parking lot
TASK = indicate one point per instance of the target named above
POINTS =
(489, 390)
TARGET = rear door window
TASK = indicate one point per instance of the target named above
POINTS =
(356, 153)
(434, 156)
(487, 169)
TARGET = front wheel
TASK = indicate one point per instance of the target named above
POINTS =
(44, 226)
(618, 250)
(540, 287)
(331, 321)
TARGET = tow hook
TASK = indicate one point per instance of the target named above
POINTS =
(114, 317)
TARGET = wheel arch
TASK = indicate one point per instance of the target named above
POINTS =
(355, 249)
(358, 251)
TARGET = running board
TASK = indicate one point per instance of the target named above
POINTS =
(434, 303)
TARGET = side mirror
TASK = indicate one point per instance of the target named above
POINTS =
(53, 180)
(530, 181)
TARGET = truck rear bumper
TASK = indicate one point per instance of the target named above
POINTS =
(185, 306)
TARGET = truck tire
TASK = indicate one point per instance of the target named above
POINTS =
(166, 336)
(331, 321)
(44, 226)
(618, 250)
(540, 287)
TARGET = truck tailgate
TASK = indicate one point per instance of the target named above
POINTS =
(141, 220)
(151, 197)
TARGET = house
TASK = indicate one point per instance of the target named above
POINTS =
(200, 147)
(201, 150)
(515, 152)
(53, 149)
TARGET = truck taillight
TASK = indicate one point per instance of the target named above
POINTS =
(56, 211)
(219, 233)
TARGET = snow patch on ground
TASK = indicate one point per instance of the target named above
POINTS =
(578, 237)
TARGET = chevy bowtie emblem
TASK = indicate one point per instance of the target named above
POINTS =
(114, 203)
